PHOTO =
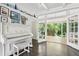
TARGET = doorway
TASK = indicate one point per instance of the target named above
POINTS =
(42, 31)
(56, 32)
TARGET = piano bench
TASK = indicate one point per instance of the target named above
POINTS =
(17, 48)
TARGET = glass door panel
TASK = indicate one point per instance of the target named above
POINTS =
(73, 29)
(41, 30)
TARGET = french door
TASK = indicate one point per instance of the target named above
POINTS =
(73, 31)
(42, 31)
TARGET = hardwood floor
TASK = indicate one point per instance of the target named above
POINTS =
(51, 49)
(57, 39)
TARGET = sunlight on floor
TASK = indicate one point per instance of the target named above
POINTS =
(56, 39)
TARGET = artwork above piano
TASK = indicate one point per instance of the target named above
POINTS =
(16, 16)
(23, 20)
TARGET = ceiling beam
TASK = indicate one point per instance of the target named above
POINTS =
(60, 9)
(44, 6)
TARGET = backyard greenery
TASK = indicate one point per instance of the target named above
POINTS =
(55, 29)
(42, 30)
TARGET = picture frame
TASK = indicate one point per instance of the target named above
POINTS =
(23, 20)
(15, 17)
(4, 19)
(4, 11)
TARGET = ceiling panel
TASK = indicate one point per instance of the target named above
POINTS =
(53, 5)
(30, 7)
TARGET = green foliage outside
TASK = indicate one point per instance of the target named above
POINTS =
(55, 29)
(42, 30)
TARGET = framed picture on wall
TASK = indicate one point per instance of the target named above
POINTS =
(4, 11)
(4, 19)
(15, 17)
(23, 20)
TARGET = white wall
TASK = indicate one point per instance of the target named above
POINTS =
(34, 28)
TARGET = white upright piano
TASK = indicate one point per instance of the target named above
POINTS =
(11, 33)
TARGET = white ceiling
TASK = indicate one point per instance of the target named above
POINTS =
(39, 8)
(49, 10)
(53, 5)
